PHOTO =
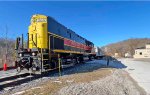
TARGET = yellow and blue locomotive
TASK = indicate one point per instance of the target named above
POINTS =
(50, 45)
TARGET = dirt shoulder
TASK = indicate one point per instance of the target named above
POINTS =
(142, 59)
(104, 81)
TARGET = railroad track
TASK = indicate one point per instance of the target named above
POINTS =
(11, 81)
(15, 80)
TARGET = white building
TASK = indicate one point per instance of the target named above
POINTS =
(127, 55)
(116, 55)
(142, 52)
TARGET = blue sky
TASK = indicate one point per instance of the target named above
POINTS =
(100, 22)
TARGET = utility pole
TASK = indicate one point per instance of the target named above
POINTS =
(6, 52)
(6, 41)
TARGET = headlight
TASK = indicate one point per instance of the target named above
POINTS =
(33, 54)
(20, 55)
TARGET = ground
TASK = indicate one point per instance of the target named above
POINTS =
(91, 78)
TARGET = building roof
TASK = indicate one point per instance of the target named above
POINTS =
(141, 48)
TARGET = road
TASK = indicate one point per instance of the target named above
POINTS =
(139, 71)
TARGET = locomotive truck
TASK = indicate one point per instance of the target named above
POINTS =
(51, 45)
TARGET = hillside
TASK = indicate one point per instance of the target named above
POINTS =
(126, 46)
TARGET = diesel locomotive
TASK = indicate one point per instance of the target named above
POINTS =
(51, 45)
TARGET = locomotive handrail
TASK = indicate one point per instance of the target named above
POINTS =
(59, 62)
(41, 60)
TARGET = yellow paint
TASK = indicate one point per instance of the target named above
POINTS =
(67, 51)
(38, 28)
(57, 36)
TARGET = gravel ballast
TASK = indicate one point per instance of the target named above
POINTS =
(118, 83)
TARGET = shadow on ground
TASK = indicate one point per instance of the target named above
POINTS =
(114, 63)
(91, 66)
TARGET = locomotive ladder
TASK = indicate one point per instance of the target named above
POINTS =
(45, 60)
(44, 63)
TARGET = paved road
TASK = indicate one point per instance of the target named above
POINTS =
(139, 71)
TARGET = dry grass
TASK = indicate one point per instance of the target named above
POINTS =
(52, 86)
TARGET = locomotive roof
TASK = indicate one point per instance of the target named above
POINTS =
(68, 28)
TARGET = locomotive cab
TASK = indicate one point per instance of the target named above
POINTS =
(38, 33)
